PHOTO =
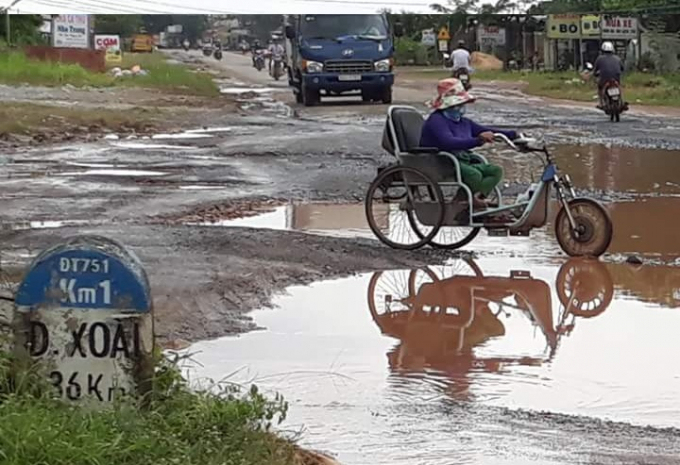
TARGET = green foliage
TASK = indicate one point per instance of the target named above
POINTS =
(410, 52)
(123, 25)
(24, 29)
(222, 426)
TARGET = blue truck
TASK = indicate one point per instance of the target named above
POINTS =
(336, 55)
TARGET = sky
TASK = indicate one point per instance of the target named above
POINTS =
(216, 6)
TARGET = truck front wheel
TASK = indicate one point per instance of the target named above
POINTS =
(386, 95)
(310, 97)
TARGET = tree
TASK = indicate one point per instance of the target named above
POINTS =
(473, 7)
(24, 29)
(123, 25)
(261, 26)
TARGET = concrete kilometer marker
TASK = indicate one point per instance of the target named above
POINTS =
(84, 312)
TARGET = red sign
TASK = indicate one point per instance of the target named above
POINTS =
(106, 42)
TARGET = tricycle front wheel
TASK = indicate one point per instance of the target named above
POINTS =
(593, 232)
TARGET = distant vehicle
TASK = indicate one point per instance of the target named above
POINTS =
(333, 55)
(142, 43)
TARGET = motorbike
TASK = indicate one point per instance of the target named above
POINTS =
(258, 60)
(207, 50)
(186, 45)
(277, 68)
(464, 76)
(612, 101)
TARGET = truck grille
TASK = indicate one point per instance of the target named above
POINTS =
(348, 66)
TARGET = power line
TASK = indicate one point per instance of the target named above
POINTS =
(370, 2)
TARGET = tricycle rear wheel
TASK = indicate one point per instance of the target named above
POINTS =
(594, 229)
(390, 202)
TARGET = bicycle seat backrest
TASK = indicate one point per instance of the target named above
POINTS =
(407, 125)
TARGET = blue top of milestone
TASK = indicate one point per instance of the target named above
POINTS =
(86, 272)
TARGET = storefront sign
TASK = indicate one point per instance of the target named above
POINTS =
(590, 26)
(111, 44)
(564, 26)
(429, 38)
(619, 27)
(71, 31)
(491, 35)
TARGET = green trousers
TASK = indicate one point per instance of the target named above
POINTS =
(480, 178)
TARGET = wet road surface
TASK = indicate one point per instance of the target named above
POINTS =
(382, 388)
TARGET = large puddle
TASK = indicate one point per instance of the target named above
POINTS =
(609, 169)
(646, 226)
(378, 364)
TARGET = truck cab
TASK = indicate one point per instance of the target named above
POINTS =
(337, 55)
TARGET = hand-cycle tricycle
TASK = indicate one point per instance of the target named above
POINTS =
(420, 200)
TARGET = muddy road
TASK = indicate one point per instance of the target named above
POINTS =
(260, 195)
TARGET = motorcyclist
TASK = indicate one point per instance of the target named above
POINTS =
(461, 58)
(276, 52)
(256, 49)
(447, 130)
(608, 67)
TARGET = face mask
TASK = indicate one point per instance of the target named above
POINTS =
(455, 113)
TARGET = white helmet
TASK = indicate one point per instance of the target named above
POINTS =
(607, 47)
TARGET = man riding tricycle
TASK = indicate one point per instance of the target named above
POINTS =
(440, 193)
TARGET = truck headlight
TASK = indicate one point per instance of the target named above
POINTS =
(383, 66)
(313, 67)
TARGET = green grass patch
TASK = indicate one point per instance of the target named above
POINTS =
(17, 69)
(177, 426)
(167, 76)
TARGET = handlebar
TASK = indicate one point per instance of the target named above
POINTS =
(521, 144)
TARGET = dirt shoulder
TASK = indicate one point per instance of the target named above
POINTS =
(647, 94)
(205, 280)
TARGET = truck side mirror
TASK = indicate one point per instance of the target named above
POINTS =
(290, 32)
(398, 30)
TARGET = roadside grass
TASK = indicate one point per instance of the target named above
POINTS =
(25, 118)
(176, 426)
(639, 88)
(167, 76)
(17, 69)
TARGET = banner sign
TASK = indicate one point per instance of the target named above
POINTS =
(71, 31)
(564, 26)
(619, 27)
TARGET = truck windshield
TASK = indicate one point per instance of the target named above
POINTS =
(339, 26)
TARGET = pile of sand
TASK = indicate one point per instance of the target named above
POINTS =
(482, 61)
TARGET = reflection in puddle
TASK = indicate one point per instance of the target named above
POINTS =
(184, 135)
(48, 224)
(246, 90)
(200, 188)
(103, 172)
(143, 146)
(362, 358)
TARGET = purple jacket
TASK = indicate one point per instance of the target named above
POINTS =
(451, 136)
